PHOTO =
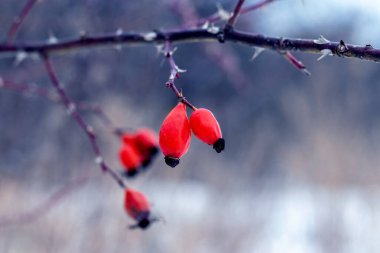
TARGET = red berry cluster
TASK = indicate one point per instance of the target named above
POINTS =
(136, 153)
(137, 150)
(140, 147)
(175, 132)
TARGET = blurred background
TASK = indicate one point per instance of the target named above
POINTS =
(301, 167)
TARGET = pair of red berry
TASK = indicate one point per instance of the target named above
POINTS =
(175, 132)
(137, 150)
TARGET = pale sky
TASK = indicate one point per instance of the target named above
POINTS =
(287, 17)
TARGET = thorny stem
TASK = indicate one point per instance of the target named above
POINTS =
(70, 106)
(235, 14)
(174, 74)
(366, 52)
(18, 20)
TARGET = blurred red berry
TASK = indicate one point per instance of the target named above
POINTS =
(146, 141)
(131, 159)
(206, 128)
(137, 207)
(175, 135)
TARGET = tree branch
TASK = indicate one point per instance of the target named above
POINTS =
(18, 20)
(71, 108)
(213, 34)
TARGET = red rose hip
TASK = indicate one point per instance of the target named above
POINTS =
(207, 129)
(175, 135)
(131, 159)
(146, 141)
(137, 207)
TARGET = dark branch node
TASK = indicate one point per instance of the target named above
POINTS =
(341, 48)
(220, 36)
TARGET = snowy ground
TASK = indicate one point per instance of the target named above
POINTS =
(199, 219)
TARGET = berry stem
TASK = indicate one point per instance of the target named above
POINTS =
(174, 74)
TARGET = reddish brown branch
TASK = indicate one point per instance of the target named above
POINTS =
(18, 20)
(235, 14)
(71, 109)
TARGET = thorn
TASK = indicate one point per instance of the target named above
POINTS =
(213, 29)
(160, 49)
(180, 70)
(324, 52)
(119, 32)
(321, 40)
(258, 51)
(52, 39)
(71, 108)
(90, 130)
(222, 13)
(20, 57)
(306, 72)
(150, 36)
(206, 25)
(82, 34)
(99, 160)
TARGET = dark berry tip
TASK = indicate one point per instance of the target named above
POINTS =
(144, 223)
(219, 145)
(153, 151)
(146, 163)
(130, 173)
(172, 162)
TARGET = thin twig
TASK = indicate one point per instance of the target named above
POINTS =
(18, 20)
(366, 52)
(174, 74)
(235, 14)
(71, 108)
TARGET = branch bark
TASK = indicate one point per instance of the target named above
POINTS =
(213, 34)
